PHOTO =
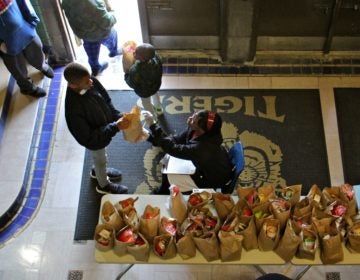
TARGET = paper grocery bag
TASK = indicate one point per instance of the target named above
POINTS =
(128, 58)
(104, 237)
(140, 250)
(110, 216)
(288, 243)
(124, 237)
(353, 241)
(185, 246)
(331, 250)
(135, 131)
(223, 204)
(164, 246)
(230, 246)
(149, 222)
(178, 208)
(208, 246)
(269, 235)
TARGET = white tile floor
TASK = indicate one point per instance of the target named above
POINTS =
(45, 248)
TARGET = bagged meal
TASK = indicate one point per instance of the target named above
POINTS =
(104, 237)
(149, 222)
(128, 58)
(135, 131)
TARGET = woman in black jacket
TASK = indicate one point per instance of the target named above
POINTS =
(201, 143)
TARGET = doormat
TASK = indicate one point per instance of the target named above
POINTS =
(281, 131)
(347, 102)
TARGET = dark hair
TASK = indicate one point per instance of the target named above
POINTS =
(74, 72)
(203, 118)
(145, 51)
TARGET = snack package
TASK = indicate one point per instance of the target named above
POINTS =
(185, 246)
(178, 208)
(269, 235)
(288, 243)
(223, 204)
(149, 222)
(128, 58)
(110, 216)
(104, 237)
(140, 249)
(164, 246)
(208, 245)
(230, 246)
(135, 132)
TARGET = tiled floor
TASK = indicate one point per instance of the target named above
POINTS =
(44, 247)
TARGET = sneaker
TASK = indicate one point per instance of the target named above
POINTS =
(118, 52)
(103, 66)
(112, 173)
(37, 92)
(48, 73)
(158, 110)
(112, 188)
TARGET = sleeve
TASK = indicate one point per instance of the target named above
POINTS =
(28, 12)
(116, 113)
(173, 145)
(88, 137)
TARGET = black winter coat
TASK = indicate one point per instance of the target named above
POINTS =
(91, 117)
(212, 161)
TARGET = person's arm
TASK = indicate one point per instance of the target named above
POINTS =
(28, 12)
(133, 78)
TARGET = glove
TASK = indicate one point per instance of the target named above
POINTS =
(148, 118)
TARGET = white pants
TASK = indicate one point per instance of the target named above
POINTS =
(149, 103)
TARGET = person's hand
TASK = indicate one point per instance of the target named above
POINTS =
(148, 117)
(122, 123)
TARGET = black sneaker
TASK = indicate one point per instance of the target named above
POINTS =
(37, 92)
(112, 173)
(48, 73)
(112, 188)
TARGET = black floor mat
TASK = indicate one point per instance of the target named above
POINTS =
(281, 130)
(347, 102)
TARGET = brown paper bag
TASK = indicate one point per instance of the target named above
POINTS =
(223, 204)
(168, 225)
(185, 246)
(308, 245)
(288, 243)
(208, 246)
(353, 241)
(269, 235)
(125, 204)
(135, 131)
(261, 212)
(250, 236)
(198, 199)
(330, 194)
(230, 246)
(104, 237)
(290, 193)
(302, 208)
(140, 250)
(205, 217)
(281, 211)
(131, 218)
(125, 237)
(128, 58)
(315, 196)
(331, 250)
(347, 194)
(164, 246)
(178, 208)
(110, 216)
(149, 222)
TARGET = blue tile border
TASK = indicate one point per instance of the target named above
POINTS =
(31, 193)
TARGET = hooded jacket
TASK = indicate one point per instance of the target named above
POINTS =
(91, 117)
(212, 162)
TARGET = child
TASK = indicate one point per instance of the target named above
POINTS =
(93, 121)
(145, 77)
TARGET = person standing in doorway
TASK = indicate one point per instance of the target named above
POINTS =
(144, 76)
(93, 22)
(20, 44)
